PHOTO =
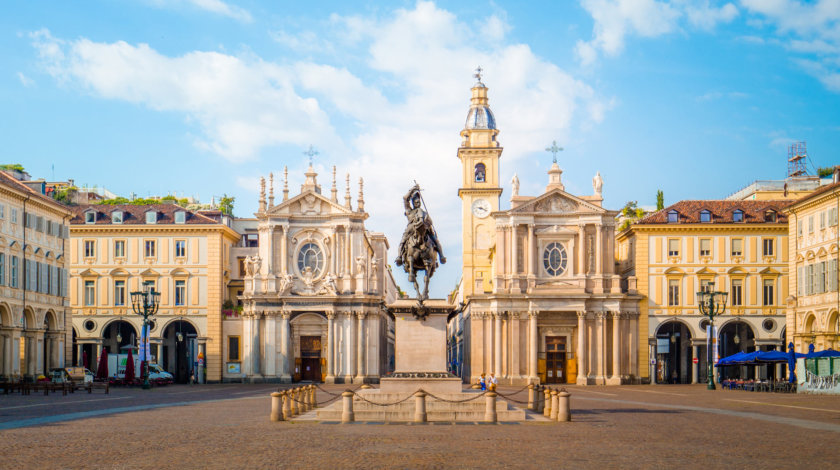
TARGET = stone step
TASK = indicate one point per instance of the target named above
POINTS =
(478, 405)
(452, 415)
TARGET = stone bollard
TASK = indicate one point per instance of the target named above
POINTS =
(287, 406)
(531, 395)
(490, 415)
(553, 415)
(312, 397)
(347, 415)
(541, 399)
(307, 403)
(547, 401)
(276, 406)
(365, 387)
(563, 409)
(420, 407)
(293, 398)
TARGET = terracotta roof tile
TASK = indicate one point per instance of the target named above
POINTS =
(721, 212)
(9, 180)
(136, 214)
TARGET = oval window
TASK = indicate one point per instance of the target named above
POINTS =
(310, 257)
(554, 259)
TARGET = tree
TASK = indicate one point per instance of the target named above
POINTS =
(12, 166)
(660, 200)
(226, 204)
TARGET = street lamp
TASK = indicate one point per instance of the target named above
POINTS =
(145, 303)
(711, 308)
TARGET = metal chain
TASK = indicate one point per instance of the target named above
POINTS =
(327, 392)
(382, 404)
(454, 401)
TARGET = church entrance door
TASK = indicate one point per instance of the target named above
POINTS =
(555, 359)
(310, 351)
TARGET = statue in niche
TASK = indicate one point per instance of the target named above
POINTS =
(374, 276)
(419, 248)
(252, 265)
(360, 265)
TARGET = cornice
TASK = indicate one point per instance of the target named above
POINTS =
(695, 228)
(809, 203)
(480, 191)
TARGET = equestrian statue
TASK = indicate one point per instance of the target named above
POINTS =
(419, 248)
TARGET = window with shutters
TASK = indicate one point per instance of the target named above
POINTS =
(90, 293)
(674, 247)
(705, 247)
(673, 292)
(736, 295)
(767, 243)
(822, 220)
(737, 247)
(90, 248)
(768, 291)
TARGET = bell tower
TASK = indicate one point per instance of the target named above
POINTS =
(480, 192)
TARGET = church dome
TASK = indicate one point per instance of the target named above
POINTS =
(480, 117)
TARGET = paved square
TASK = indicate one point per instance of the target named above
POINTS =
(227, 426)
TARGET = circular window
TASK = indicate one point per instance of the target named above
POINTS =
(768, 324)
(90, 325)
(554, 259)
(152, 325)
(704, 324)
(310, 257)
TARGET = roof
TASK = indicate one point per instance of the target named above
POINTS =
(721, 211)
(822, 190)
(136, 214)
(14, 183)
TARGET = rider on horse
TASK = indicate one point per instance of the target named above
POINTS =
(419, 246)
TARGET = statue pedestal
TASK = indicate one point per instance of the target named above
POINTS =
(420, 347)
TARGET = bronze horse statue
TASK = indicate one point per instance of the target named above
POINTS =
(419, 248)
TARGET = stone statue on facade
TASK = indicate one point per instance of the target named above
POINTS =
(285, 284)
(252, 265)
(514, 183)
(329, 286)
(419, 248)
(597, 183)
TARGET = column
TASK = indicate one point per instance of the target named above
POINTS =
(330, 347)
(348, 273)
(270, 341)
(582, 249)
(634, 345)
(598, 251)
(694, 364)
(581, 349)
(334, 257)
(286, 358)
(349, 347)
(514, 250)
(79, 356)
(514, 370)
(532, 249)
(601, 351)
(497, 344)
(3, 352)
(616, 348)
(256, 349)
(487, 363)
(360, 348)
(284, 256)
(533, 347)
(48, 349)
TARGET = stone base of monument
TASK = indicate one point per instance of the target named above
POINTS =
(420, 363)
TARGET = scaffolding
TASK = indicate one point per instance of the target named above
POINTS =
(797, 158)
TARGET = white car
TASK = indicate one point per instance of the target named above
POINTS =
(156, 372)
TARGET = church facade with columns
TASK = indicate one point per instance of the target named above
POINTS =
(313, 292)
(542, 302)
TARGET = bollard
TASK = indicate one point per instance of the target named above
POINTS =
(563, 410)
(312, 399)
(276, 407)
(540, 399)
(420, 407)
(293, 397)
(347, 415)
(287, 407)
(531, 394)
(365, 387)
(490, 415)
(547, 401)
(307, 403)
(553, 415)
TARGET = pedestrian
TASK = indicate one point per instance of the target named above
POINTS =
(483, 382)
(493, 381)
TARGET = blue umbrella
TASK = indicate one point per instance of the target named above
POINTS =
(771, 356)
(791, 363)
(811, 348)
(732, 360)
(826, 353)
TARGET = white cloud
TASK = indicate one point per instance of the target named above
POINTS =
(810, 29)
(24, 80)
(615, 20)
(213, 6)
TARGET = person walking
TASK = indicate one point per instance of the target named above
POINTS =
(483, 382)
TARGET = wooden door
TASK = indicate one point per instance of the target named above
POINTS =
(555, 359)
(310, 364)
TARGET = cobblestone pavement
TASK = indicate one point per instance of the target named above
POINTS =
(226, 426)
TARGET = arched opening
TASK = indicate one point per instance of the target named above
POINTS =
(28, 353)
(309, 338)
(480, 173)
(118, 336)
(50, 353)
(5, 342)
(180, 350)
(673, 353)
(736, 336)
(74, 358)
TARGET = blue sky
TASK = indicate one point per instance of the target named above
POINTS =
(202, 97)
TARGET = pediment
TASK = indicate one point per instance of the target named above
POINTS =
(179, 272)
(558, 201)
(705, 271)
(308, 203)
(89, 273)
(149, 273)
(119, 272)
(557, 229)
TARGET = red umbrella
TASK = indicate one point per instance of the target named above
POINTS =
(129, 368)
(84, 359)
(102, 370)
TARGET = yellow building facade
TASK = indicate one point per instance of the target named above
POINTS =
(34, 333)
(740, 247)
(813, 299)
(118, 249)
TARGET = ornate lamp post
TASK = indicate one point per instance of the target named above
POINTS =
(711, 308)
(145, 303)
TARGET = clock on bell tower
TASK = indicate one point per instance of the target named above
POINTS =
(480, 192)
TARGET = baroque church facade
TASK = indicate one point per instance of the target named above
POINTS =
(542, 301)
(314, 291)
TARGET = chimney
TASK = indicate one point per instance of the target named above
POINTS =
(836, 178)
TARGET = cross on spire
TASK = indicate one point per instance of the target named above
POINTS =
(311, 153)
(554, 149)
(477, 73)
